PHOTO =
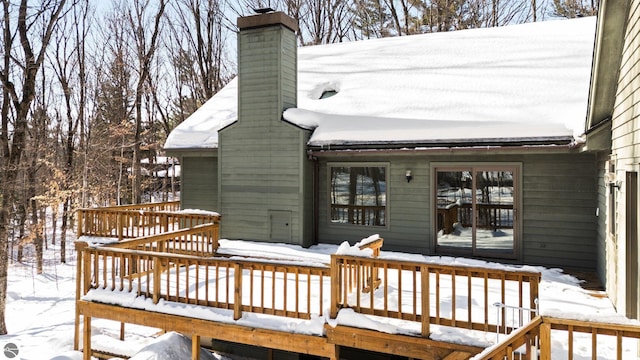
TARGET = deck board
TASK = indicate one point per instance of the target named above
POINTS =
(278, 340)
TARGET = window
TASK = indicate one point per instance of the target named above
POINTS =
(358, 195)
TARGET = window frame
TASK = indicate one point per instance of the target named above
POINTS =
(330, 166)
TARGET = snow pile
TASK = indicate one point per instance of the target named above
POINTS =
(70, 355)
(170, 346)
(358, 248)
(198, 212)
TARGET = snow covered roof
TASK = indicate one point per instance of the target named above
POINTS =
(526, 82)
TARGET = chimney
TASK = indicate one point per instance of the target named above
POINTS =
(267, 65)
(265, 176)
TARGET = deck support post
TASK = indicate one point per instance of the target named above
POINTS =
(336, 353)
(195, 347)
(80, 246)
(121, 331)
(86, 339)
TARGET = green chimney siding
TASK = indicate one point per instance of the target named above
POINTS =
(264, 172)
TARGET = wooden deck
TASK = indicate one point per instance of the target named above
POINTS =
(180, 267)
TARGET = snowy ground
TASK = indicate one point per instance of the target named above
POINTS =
(40, 308)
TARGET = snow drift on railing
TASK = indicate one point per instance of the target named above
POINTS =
(357, 250)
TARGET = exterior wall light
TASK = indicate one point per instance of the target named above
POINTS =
(408, 175)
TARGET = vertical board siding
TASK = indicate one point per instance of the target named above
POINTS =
(199, 185)
(559, 198)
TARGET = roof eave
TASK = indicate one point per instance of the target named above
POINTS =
(192, 152)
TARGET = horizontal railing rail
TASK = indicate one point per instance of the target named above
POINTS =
(126, 224)
(199, 240)
(458, 296)
(155, 206)
(296, 291)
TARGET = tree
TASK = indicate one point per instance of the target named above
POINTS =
(575, 8)
(371, 18)
(198, 45)
(20, 89)
(68, 62)
(145, 51)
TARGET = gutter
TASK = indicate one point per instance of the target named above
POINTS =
(538, 149)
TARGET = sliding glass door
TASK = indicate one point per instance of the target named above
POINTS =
(476, 209)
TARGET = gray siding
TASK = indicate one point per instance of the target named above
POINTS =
(625, 138)
(559, 199)
(559, 210)
(626, 115)
(199, 183)
(602, 230)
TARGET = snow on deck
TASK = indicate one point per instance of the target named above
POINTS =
(560, 296)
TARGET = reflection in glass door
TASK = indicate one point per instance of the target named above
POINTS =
(476, 210)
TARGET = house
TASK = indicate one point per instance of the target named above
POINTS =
(613, 133)
(394, 136)
(503, 143)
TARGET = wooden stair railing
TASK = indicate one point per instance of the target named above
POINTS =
(127, 224)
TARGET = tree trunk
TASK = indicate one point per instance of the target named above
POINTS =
(12, 153)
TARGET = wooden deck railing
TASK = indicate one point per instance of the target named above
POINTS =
(598, 337)
(126, 224)
(478, 288)
(289, 290)
(166, 255)
(596, 340)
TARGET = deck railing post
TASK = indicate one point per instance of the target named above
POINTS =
(426, 301)
(80, 223)
(534, 282)
(237, 290)
(86, 266)
(120, 225)
(157, 271)
(545, 341)
(335, 286)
